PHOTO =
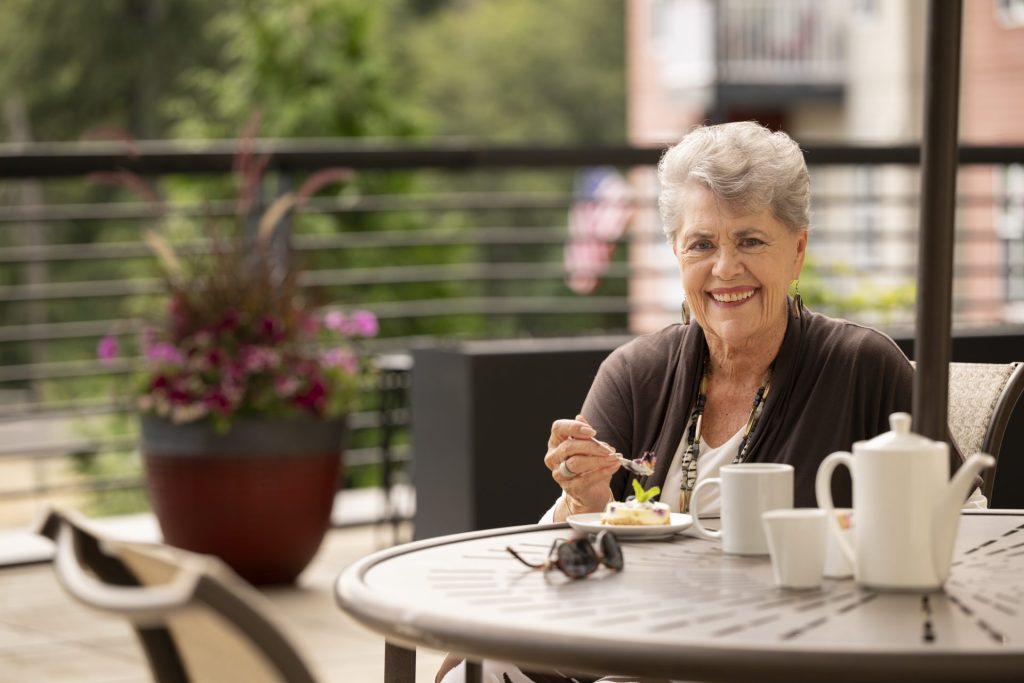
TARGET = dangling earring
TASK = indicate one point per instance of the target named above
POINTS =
(796, 302)
(686, 313)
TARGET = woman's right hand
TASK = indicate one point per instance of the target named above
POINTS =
(590, 463)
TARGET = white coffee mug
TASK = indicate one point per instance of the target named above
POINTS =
(748, 489)
(796, 543)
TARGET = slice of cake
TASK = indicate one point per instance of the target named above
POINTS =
(638, 509)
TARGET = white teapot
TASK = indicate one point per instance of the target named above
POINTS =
(906, 510)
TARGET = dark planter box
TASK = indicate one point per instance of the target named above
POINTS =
(482, 413)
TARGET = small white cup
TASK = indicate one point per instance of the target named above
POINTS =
(837, 566)
(796, 543)
(748, 489)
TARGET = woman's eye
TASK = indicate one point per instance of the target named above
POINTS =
(700, 245)
(750, 242)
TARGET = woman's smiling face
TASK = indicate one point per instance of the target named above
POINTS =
(736, 269)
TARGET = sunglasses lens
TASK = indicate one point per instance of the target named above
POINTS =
(611, 550)
(577, 559)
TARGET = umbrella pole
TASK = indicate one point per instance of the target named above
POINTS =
(932, 340)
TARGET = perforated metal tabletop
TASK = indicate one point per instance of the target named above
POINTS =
(683, 609)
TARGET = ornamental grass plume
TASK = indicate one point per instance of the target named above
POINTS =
(239, 337)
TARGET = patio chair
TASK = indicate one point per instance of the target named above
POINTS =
(981, 401)
(196, 619)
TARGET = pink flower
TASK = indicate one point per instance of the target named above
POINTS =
(340, 358)
(335, 321)
(108, 349)
(257, 359)
(286, 386)
(365, 323)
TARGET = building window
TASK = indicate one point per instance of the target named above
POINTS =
(866, 216)
(1009, 208)
(1010, 13)
(865, 9)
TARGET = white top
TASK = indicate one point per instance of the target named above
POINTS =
(709, 463)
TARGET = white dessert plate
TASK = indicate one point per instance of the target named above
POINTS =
(591, 523)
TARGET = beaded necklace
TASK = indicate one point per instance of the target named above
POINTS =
(689, 460)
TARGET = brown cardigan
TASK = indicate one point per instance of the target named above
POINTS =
(835, 382)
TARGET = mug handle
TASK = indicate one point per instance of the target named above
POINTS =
(697, 526)
(823, 492)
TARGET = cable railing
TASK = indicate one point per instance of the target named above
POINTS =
(468, 247)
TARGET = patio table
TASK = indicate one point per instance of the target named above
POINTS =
(683, 609)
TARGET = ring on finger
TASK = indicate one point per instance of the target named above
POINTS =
(564, 470)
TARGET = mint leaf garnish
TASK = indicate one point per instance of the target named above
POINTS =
(644, 496)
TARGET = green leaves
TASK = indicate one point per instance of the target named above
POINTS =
(643, 496)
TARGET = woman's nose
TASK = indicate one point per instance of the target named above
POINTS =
(727, 264)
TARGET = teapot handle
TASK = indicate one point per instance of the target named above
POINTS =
(823, 491)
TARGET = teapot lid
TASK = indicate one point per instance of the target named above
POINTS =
(901, 438)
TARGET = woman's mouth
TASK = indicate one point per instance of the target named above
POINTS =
(735, 296)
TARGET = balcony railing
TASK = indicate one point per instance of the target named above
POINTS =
(439, 242)
(791, 42)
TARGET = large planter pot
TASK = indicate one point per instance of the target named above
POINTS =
(259, 497)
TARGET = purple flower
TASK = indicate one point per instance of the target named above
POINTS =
(217, 402)
(272, 328)
(314, 399)
(162, 352)
(108, 349)
(228, 322)
(365, 323)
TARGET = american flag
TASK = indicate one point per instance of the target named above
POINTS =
(599, 214)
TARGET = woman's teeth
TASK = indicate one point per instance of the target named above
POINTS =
(734, 296)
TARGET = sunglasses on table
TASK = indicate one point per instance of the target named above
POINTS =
(578, 558)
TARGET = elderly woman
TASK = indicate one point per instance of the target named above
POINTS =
(750, 375)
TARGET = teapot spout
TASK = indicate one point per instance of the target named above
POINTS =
(946, 515)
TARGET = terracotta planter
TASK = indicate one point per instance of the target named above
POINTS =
(258, 497)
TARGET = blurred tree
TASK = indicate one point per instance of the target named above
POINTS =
(313, 68)
(518, 71)
(78, 65)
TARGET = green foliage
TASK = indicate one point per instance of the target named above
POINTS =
(820, 294)
(313, 68)
(520, 71)
(78, 65)
(121, 467)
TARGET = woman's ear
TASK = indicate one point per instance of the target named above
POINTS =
(801, 253)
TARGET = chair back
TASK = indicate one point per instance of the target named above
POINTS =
(981, 400)
(197, 620)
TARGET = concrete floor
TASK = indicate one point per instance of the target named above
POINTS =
(45, 637)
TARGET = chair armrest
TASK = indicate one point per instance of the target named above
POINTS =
(140, 604)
